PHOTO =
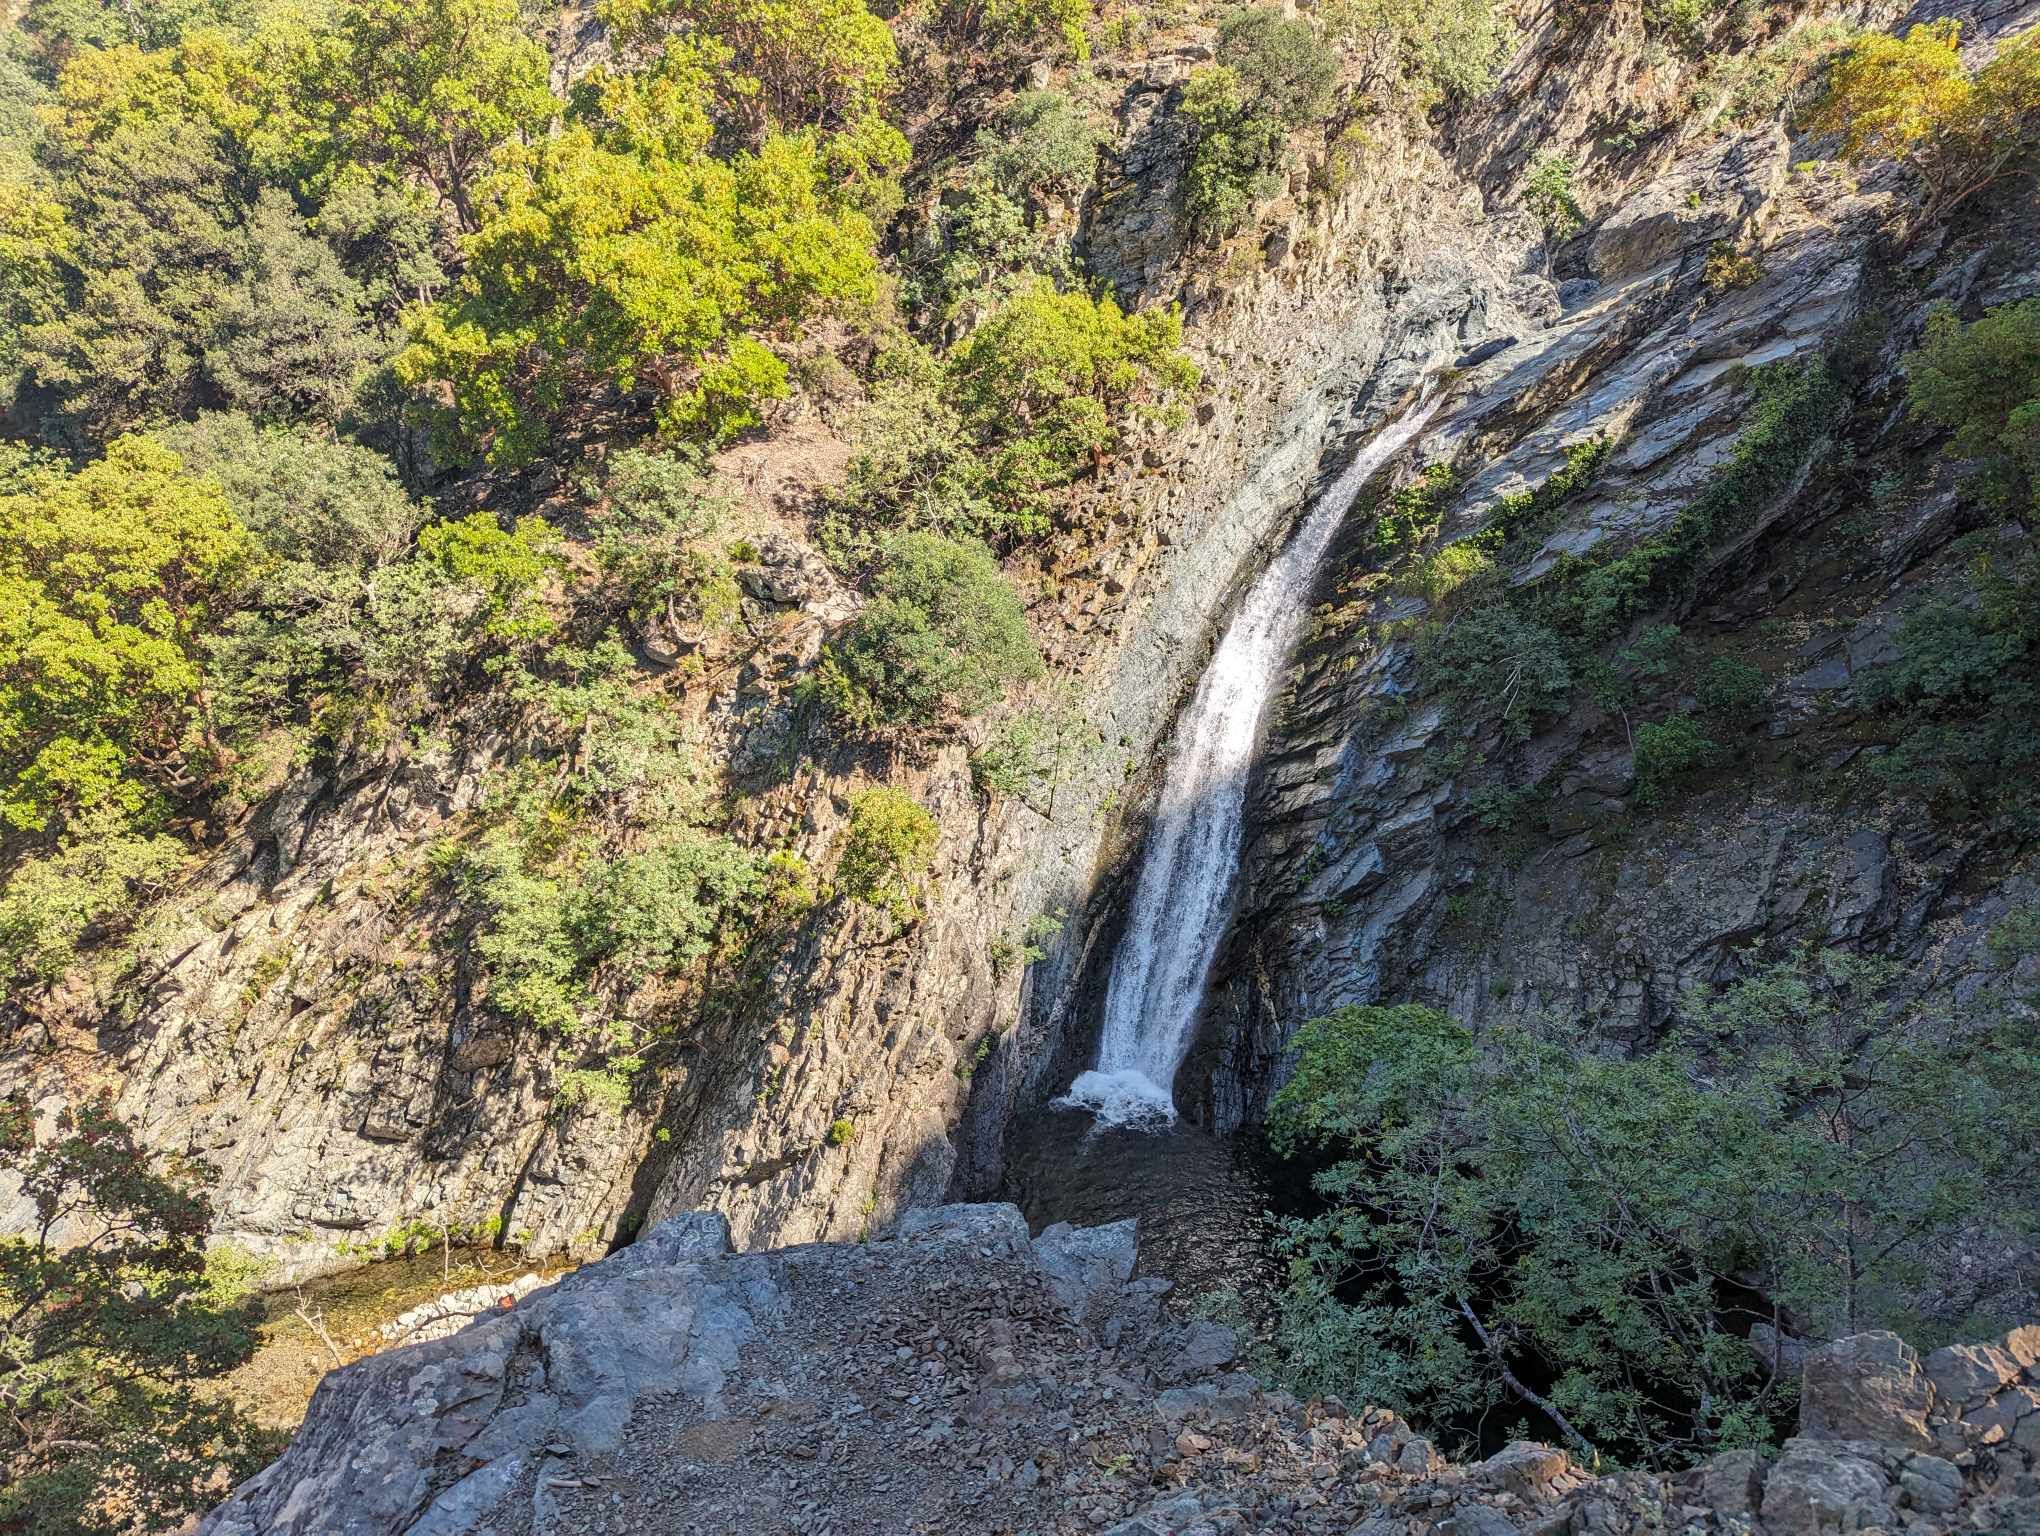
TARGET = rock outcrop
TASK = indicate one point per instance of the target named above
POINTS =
(953, 1376)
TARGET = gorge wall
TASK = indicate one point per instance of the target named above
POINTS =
(298, 1016)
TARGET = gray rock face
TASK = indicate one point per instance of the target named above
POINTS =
(1086, 1265)
(1868, 1387)
(1818, 1487)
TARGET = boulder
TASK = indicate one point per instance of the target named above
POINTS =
(1868, 1386)
(1731, 1484)
(1966, 1374)
(1086, 1265)
(1524, 1468)
(1820, 1487)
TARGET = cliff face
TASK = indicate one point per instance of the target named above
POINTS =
(301, 1017)
(1376, 875)
(958, 1376)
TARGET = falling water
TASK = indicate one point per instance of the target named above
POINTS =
(1182, 901)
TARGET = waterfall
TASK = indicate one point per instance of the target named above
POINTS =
(1182, 901)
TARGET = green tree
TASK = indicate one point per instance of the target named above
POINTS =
(420, 91)
(1048, 382)
(1273, 76)
(1913, 100)
(107, 1326)
(1982, 380)
(1454, 46)
(177, 276)
(792, 64)
(1523, 1208)
(1041, 145)
(110, 579)
(620, 252)
(941, 638)
(1006, 27)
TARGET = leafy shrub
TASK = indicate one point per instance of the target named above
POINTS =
(1030, 750)
(841, 1132)
(1453, 46)
(1495, 663)
(110, 579)
(1793, 408)
(95, 877)
(1965, 694)
(985, 254)
(1273, 75)
(1012, 25)
(1517, 1211)
(1041, 145)
(655, 517)
(1668, 751)
(1549, 195)
(941, 638)
(560, 297)
(1913, 100)
(1049, 381)
(1728, 268)
(1454, 569)
(1730, 687)
(1409, 514)
(1982, 380)
(891, 844)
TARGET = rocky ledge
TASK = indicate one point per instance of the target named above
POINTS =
(960, 1376)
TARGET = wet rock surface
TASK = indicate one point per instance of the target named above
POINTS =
(942, 1379)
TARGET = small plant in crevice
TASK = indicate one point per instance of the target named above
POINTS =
(1549, 193)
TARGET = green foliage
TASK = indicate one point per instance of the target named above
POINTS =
(1913, 100)
(1550, 196)
(175, 277)
(559, 915)
(1730, 687)
(395, 92)
(620, 253)
(941, 639)
(109, 580)
(95, 878)
(105, 1338)
(1793, 408)
(1982, 381)
(653, 530)
(1668, 751)
(1010, 27)
(1273, 75)
(1028, 752)
(841, 1133)
(1494, 662)
(1523, 1208)
(792, 64)
(1041, 145)
(978, 444)
(1048, 383)
(985, 254)
(1964, 693)
(890, 846)
(1456, 47)
(1409, 515)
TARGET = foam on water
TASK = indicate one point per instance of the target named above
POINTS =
(1183, 899)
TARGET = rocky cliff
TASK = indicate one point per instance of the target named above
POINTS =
(301, 1014)
(956, 1376)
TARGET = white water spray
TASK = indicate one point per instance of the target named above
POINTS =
(1183, 899)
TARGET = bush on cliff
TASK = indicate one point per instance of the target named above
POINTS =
(1273, 76)
(891, 844)
(940, 640)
